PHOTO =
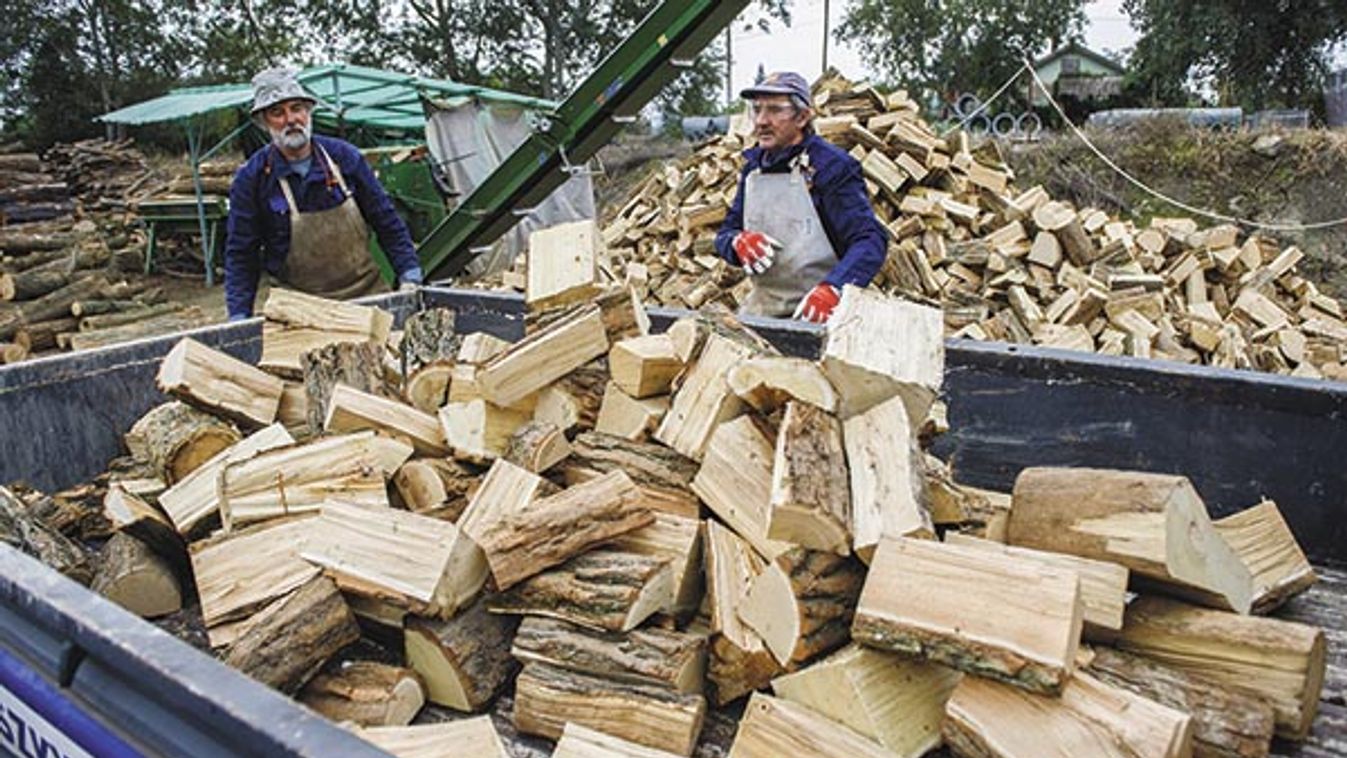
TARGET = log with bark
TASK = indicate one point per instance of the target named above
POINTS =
(644, 366)
(137, 578)
(195, 498)
(650, 656)
(435, 486)
(811, 495)
(239, 573)
(544, 357)
(464, 660)
(677, 540)
(802, 603)
(53, 305)
(663, 475)
(175, 439)
(601, 589)
(23, 531)
(537, 446)
(428, 337)
(1260, 536)
(289, 641)
(352, 410)
(220, 384)
(358, 365)
(366, 693)
(768, 382)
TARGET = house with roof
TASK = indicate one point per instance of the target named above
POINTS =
(1076, 72)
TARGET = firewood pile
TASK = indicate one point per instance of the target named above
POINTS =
(1005, 263)
(618, 531)
(67, 242)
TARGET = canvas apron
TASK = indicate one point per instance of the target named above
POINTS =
(779, 206)
(329, 250)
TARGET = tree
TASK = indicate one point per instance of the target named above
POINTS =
(957, 45)
(1252, 53)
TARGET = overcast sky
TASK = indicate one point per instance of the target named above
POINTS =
(800, 47)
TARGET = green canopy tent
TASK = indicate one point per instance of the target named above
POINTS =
(382, 106)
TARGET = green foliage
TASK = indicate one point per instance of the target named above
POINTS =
(1252, 53)
(956, 46)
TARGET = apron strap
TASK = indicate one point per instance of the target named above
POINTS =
(335, 170)
(289, 195)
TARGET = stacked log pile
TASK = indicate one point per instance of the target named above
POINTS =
(1006, 263)
(627, 530)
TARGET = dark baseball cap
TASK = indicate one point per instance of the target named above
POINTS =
(780, 83)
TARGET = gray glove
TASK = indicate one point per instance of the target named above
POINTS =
(408, 286)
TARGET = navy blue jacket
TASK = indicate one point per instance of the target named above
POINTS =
(259, 223)
(838, 190)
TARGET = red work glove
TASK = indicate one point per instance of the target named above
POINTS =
(754, 250)
(817, 306)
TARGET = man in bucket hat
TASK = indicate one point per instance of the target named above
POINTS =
(801, 224)
(298, 209)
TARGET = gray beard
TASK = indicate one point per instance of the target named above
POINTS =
(290, 138)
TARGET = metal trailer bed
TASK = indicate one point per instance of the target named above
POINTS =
(90, 678)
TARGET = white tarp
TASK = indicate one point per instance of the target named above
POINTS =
(469, 139)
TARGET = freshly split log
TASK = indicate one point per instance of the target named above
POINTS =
(464, 660)
(889, 497)
(573, 402)
(427, 388)
(739, 660)
(563, 265)
(768, 382)
(664, 476)
(1227, 723)
(415, 562)
(175, 439)
(358, 365)
(284, 346)
(293, 411)
(135, 577)
(895, 701)
(622, 415)
(601, 589)
(1154, 524)
(802, 603)
(773, 727)
(987, 719)
(677, 540)
(1103, 585)
(582, 742)
(130, 514)
(1063, 222)
(652, 656)
(478, 431)
(735, 481)
(299, 478)
(479, 347)
(351, 410)
(644, 366)
(505, 489)
(22, 531)
(366, 693)
(435, 486)
(546, 698)
(296, 309)
(735, 671)
(237, 574)
(219, 383)
(1261, 538)
(994, 616)
(544, 357)
(428, 337)
(704, 400)
(195, 498)
(811, 495)
(537, 446)
(878, 347)
(290, 640)
(1280, 661)
(474, 737)
(554, 529)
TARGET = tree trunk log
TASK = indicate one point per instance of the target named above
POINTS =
(290, 640)
(601, 589)
(175, 438)
(465, 660)
(651, 656)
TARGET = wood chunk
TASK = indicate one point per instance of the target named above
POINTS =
(366, 693)
(644, 366)
(1280, 661)
(544, 357)
(297, 479)
(21, 529)
(475, 737)
(627, 417)
(297, 309)
(704, 400)
(895, 701)
(879, 347)
(688, 335)
(283, 346)
(428, 338)
(664, 476)
(175, 438)
(1103, 585)
(479, 431)
(773, 727)
(735, 671)
(556, 528)
(933, 601)
(196, 498)
(219, 383)
(237, 574)
(537, 446)
(582, 742)
(987, 719)
(290, 640)
(131, 515)
(731, 566)
(601, 589)
(888, 490)
(546, 698)
(358, 365)
(464, 660)
(1227, 723)
(415, 562)
(656, 657)
(1154, 524)
(427, 388)
(293, 411)
(811, 496)
(480, 347)
(768, 382)
(351, 410)
(563, 264)
(574, 401)
(1260, 536)
(1062, 221)
(802, 603)
(435, 486)
(505, 489)
(677, 540)
(133, 576)
(735, 481)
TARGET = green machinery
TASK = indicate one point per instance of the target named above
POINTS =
(409, 185)
(663, 45)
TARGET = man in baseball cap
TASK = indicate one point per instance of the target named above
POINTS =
(801, 225)
(301, 207)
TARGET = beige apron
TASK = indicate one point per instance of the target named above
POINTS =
(329, 250)
(779, 206)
